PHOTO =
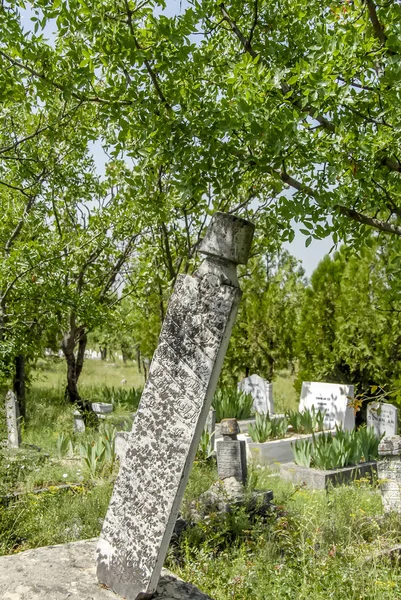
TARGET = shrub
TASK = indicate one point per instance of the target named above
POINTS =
(232, 403)
(266, 428)
(329, 452)
(307, 421)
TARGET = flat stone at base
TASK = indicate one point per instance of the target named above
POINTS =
(69, 571)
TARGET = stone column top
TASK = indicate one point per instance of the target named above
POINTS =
(390, 446)
(228, 238)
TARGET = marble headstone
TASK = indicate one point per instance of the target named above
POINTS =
(13, 420)
(172, 413)
(383, 418)
(261, 392)
(333, 399)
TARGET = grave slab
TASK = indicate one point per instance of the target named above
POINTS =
(383, 418)
(68, 571)
(318, 479)
(172, 413)
(333, 398)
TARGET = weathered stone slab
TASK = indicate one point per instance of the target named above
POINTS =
(231, 459)
(389, 473)
(383, 417)
(68, 571)
(172, 414)
(231, 453)
(261, 392)
(13, 420)
(333, 399)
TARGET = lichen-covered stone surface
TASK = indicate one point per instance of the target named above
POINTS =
(13, 420)
(231, 459)
(165, 435)
(389, 473)
(68, 571)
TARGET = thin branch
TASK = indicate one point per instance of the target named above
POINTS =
(149, 69)
(255, 22)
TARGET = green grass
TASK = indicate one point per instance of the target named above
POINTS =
(284, 395)
(315, 546)
(51, 373)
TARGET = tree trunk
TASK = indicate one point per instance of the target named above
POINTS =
(19, 383)
(103, 352)
(138, 359)
(74, 367)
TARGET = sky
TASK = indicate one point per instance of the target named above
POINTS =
(309, 256)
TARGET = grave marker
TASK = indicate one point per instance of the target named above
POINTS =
(261, 392)
(383, 418)
(333, 398)
(172, 413)
(13, 420)
(389, 473)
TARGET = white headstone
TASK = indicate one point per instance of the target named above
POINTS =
(261, 392)
(13, 420)
(79, 423)
(172, 413)
(383, 418)
(210, 427)
(102, 407)
(333, 399)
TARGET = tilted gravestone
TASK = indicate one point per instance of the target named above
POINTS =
(172, 414)
(383, 418)
(331, 398)
(261, 392)
(13, 420)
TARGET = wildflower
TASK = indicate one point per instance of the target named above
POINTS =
(65, 475)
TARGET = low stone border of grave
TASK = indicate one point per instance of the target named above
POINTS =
(319, 479)
(275, 452)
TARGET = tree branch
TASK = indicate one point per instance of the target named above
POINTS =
(370, 221)
(377, 27)
(383, 226)
(149, 69)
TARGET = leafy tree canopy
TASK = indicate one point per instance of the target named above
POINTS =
(247, 99)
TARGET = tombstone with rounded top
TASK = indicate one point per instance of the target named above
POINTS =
(261, 392)
(383, 417)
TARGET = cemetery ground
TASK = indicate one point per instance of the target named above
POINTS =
(314, 544)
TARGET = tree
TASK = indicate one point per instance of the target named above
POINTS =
(349, 327)
(43, 160)
(264, 335)
(273, 96)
